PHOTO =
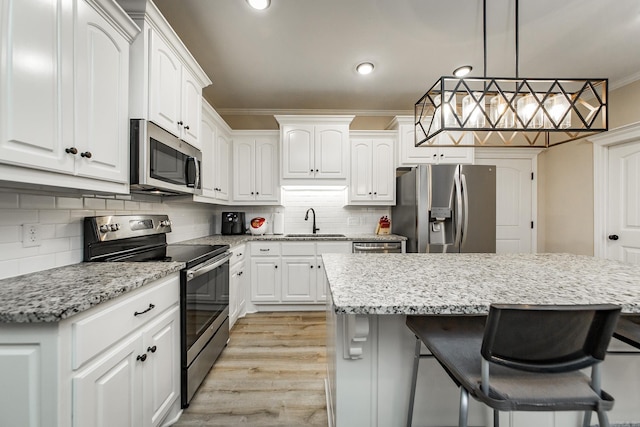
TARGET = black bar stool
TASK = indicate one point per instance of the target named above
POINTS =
(525, 358)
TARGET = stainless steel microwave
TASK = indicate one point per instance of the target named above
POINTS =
(160, 163)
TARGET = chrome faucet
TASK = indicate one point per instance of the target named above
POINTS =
(306, 218)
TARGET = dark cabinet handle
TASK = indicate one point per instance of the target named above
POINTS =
(441, 155)
(613, 237)
(72, 150)
(86, 154)
(152, 349)
(252, 192)
(142, 357)
(151, 307)
(187, 127)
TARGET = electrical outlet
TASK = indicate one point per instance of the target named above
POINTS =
(30, 235)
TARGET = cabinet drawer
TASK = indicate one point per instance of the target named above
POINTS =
(298, 248)
(104, 326)
(237, 254)
(265, 248)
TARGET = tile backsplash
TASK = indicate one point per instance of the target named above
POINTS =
(59, 220)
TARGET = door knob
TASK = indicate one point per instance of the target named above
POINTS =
(613, 237)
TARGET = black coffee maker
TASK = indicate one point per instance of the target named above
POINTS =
(233, 223)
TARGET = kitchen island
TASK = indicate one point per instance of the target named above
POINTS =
(370, 350)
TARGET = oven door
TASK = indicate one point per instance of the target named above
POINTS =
(204, 303)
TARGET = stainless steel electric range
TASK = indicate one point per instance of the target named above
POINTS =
(204, 283)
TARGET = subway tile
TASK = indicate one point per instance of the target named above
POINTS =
(8, 201)
(37, 263)
(71, 229)
(54, 216)
(47, 231)
(115, 204)
(10, 233)
(18, 216)
(69, 203)
(91, 203)
(32, 201)
(52, 246)
(76, 242)
(14, 250)
(9, 269)
(79, 214)
(68, 257)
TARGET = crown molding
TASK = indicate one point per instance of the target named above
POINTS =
(283, 112)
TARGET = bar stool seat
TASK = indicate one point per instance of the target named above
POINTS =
(526, 358)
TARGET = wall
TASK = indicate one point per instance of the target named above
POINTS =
(60, 225)
(565, 193)
(332, 214)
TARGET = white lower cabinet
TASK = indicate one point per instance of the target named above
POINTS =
(290, 272)
(106, 366)
(237, 293)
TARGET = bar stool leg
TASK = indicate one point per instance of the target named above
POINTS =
(603, 420)
(414, 380)
(587, 419)
(463, 415)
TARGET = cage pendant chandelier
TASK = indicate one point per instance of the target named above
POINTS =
(510, 111)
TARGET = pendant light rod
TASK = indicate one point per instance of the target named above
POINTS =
(484, 34)
(517, 39)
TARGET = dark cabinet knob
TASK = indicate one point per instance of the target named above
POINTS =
(187, 127)
(613, 237)
(180, 123)
(369, 192)
(152, 349)
(312, 266)
(317, 170)
(86, 154)
(252, 192)
(311, 170)
(375, 193)
(142, 357)
(257, 193)
(276, 266)
(72, 150)
(318, 266)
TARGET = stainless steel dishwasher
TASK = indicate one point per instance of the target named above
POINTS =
(377, 247)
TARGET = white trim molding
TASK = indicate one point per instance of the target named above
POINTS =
(601, 143)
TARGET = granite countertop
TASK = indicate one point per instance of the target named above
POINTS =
(218, 239)
(469, 283)
(53, 295)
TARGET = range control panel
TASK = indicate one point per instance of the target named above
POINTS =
(114, 227)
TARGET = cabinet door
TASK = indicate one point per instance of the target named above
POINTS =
(161, 386)
(327, 248)
(102, 75)
(361, 162)
(165, 81)
(299, 279)
(234, 284)
(265, 279)
(209, 157)
(36, 83)
(222, 167)
(410, 154)
(191, 110)
(330, 151)
(108, 392)
(266, 170)
(243, 170)
(298, 151)
(383, 176)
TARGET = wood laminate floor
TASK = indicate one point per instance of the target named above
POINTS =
(270, 374)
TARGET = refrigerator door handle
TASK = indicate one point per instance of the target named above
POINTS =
(466, 209)
(457, 185)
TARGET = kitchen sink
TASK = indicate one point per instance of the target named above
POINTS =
(318, 235)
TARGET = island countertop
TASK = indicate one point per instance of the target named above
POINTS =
(469, 283)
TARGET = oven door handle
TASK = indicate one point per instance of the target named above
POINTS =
(192, 274)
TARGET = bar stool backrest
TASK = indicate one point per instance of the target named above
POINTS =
(548, 338)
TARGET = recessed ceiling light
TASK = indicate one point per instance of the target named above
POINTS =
(462, 71)
(364, 68)
(259, 4)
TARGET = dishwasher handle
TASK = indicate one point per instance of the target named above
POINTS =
(394, 247)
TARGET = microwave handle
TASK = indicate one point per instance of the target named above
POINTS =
(196, 180)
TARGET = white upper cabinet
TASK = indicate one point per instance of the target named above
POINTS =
(64, 82)
(166, 80)
(255, 167)
(216, 144)
(410, 155)
(372, 168)
(314, 147)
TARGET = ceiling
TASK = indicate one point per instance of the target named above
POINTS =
(300, 55)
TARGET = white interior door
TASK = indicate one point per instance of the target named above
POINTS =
(514, 212)
(623, 204)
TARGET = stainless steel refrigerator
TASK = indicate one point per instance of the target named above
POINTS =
(446, 208)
